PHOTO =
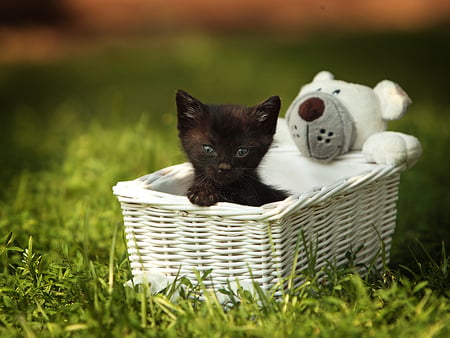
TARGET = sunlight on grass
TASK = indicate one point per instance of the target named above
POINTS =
(73, 198)
(76, 296)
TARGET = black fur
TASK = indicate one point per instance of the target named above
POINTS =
(225, 144)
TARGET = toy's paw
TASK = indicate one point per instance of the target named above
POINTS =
(392, 148)
(204, 196)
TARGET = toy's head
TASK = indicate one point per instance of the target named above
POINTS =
(330, 117)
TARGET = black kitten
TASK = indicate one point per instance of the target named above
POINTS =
(225, 144)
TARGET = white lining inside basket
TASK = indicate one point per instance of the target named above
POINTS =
(286, 168)
(283, 167)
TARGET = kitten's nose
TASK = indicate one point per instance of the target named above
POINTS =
(224, 167)
(311, 109)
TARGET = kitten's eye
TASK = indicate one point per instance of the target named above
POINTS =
(209, 150)
(336, 92)
(242, 152)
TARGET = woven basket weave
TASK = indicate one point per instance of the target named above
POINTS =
(168, 235)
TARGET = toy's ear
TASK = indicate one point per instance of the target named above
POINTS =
(394, 100)
(323, 76)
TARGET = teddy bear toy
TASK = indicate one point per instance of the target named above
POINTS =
(331, 117)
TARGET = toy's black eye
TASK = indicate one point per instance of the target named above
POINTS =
(209, 150)
(242, 152)
(336, 92)
(319, 89)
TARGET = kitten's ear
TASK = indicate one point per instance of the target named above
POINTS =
(189, 109)
(267, 111)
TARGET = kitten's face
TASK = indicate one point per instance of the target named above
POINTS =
(223, 142)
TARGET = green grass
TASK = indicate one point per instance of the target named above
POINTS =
(71, 128)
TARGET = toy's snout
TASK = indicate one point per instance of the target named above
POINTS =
(321, 126)
(311, 109)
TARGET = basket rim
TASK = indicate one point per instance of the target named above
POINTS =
(138, 192)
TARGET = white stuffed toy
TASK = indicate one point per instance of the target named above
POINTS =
(331, 117)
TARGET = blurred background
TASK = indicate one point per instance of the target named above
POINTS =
(87, 97)
(48, 28)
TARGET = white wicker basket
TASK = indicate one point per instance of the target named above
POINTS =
(168, 235)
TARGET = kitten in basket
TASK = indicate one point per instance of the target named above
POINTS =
(225, 144)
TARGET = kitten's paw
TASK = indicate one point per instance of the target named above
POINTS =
(203, 196)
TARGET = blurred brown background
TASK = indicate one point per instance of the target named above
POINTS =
(34, 29)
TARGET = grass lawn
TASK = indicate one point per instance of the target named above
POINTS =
(72, 127)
